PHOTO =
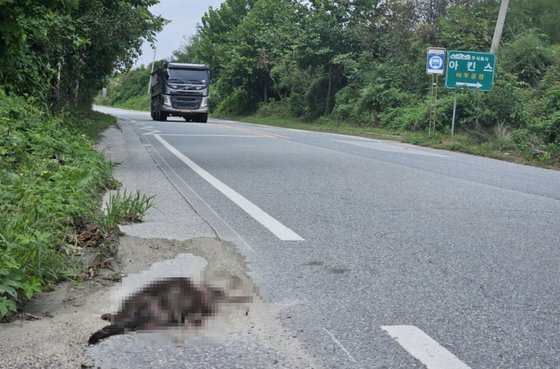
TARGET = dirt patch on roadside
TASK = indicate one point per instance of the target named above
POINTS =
(57, 339)
(69, 314)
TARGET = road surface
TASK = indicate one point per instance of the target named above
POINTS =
(384, 255)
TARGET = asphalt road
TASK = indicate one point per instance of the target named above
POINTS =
(384, 255)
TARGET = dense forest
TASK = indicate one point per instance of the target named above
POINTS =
(55, 55)
(362, 62)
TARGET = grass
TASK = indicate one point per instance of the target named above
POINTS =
(123, 207)
(140, 103)
(92, 122)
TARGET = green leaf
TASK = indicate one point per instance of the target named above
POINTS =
(32, 287)
(8, 290)
(6, 305)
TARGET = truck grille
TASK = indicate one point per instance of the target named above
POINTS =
(186, 102)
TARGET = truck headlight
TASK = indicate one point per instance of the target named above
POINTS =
(204, 102)
(167, 100)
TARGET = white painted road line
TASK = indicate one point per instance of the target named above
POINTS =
(393, 147)
(151, 129)
(210, 135)
(340, 345)
(423, 347)
(193, 193)
(278, 229)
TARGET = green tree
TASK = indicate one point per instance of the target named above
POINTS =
(62, 51)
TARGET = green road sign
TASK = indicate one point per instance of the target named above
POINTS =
(470, 70)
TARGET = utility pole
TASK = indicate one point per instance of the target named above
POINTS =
(152, 71)
(499, 27)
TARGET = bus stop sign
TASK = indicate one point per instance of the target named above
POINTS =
(436, 61)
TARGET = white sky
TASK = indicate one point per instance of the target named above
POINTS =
(184, 16)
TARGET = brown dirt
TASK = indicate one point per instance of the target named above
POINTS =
(69, 314)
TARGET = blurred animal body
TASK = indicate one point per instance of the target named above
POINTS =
(163, 303)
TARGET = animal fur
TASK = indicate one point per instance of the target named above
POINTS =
(164, 303)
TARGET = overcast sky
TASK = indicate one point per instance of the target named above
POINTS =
(184, 15)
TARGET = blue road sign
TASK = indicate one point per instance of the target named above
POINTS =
(436, 61)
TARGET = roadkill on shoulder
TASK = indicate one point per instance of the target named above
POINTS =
(164, 303)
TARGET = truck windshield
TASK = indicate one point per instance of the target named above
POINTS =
(198, 76)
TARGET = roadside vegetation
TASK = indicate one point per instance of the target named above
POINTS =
(123, 207)
(361, 66)
(54, 58)
(128, 90)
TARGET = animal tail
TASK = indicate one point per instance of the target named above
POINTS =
(107, 331)
(108, 317)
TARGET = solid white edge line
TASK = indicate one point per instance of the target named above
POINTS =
(210, 135)
(180, 179)
(278, 229)
(423, 347)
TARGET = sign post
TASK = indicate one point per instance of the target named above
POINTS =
(435, 65)
(454, 110)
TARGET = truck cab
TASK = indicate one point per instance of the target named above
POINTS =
(179, 89)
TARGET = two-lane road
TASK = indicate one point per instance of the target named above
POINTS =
(383, 255)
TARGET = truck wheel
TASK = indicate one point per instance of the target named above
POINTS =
(160, 116)
(203, 118)
(157, 114)
(152, 110)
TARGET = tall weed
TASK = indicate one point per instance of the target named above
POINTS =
(123, 207)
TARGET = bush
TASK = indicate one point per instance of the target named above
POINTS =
(315, 99)
(550, 128)
(235, 103)
(547, 105)
(50, 175)
(275, 109)
(527, 57)
(296, 104)
(411, 117)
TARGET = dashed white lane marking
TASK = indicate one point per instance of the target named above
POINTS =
(423, 347)
(150, 129)
(278, 229)
(340, 345)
